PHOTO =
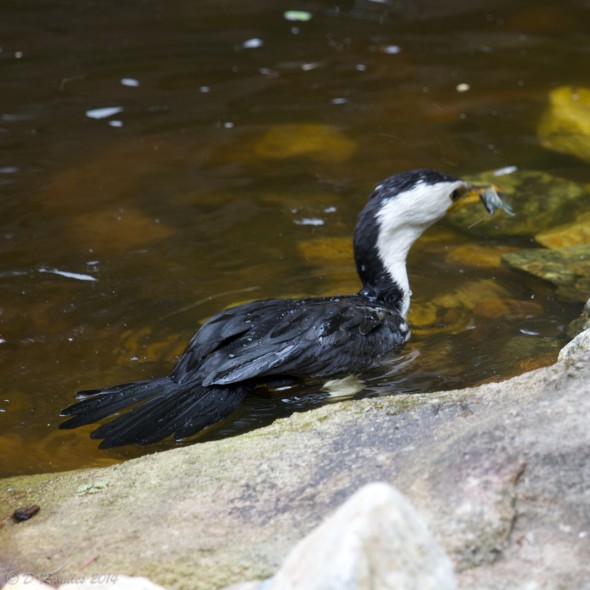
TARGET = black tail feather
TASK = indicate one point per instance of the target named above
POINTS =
(189, 415)
(152, 417)
(214, 405)
(105, 402)
(165, 408)
(122, 387)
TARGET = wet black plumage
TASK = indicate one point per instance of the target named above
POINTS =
(262, 341)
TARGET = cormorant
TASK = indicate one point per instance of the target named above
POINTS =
(288, 339)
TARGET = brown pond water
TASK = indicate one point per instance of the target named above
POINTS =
(120, 232)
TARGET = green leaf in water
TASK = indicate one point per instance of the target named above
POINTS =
(300, 16)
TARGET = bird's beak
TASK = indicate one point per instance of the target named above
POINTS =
(488, 195)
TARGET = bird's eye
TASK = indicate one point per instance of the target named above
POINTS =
(456, 194)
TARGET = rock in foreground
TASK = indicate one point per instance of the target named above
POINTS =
(498, 472)
(99, 582)
(375, 541)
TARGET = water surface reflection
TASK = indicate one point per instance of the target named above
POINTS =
(132, 153)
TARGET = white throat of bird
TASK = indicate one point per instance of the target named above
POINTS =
(402, 220)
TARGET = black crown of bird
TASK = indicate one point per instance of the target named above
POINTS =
(280, 340)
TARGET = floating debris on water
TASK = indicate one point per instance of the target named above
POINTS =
(390, 49)
(130, 82)
(103, 112)
(300, 16)
(505, 170)
(252, 43)
(69, 275)
(309, 221)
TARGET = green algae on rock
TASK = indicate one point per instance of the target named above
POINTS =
(539, 200)
(566, 268)
(565, 125)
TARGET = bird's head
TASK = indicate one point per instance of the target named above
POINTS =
(400, 209)
(417, 199)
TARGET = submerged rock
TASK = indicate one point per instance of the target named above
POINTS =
(322, 143)
(566, 268)
(509, 309)
(327, 250)
(113, 231)
(569, 234)
(454, 311)
(529, 351)
(565, 126)
(449, 312)
(375, 541)
(475, 255)
(540, 201)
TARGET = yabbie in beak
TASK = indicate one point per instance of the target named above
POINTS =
(489, 196)
(491, 200)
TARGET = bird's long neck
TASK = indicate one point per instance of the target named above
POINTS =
(400, 209)
(381, 260)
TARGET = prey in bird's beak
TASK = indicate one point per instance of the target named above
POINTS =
(491, 200)
(489, 196)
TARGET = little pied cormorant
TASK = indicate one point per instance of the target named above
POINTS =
(277, 339)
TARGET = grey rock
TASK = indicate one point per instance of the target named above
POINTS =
(580, 324)
(112, 582)
(25, 582)
(99, 582)
(578, 348)
(375, 541)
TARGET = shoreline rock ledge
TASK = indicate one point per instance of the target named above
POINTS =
(499, 473)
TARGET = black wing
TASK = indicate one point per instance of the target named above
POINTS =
(295, 338)
(220, 331)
